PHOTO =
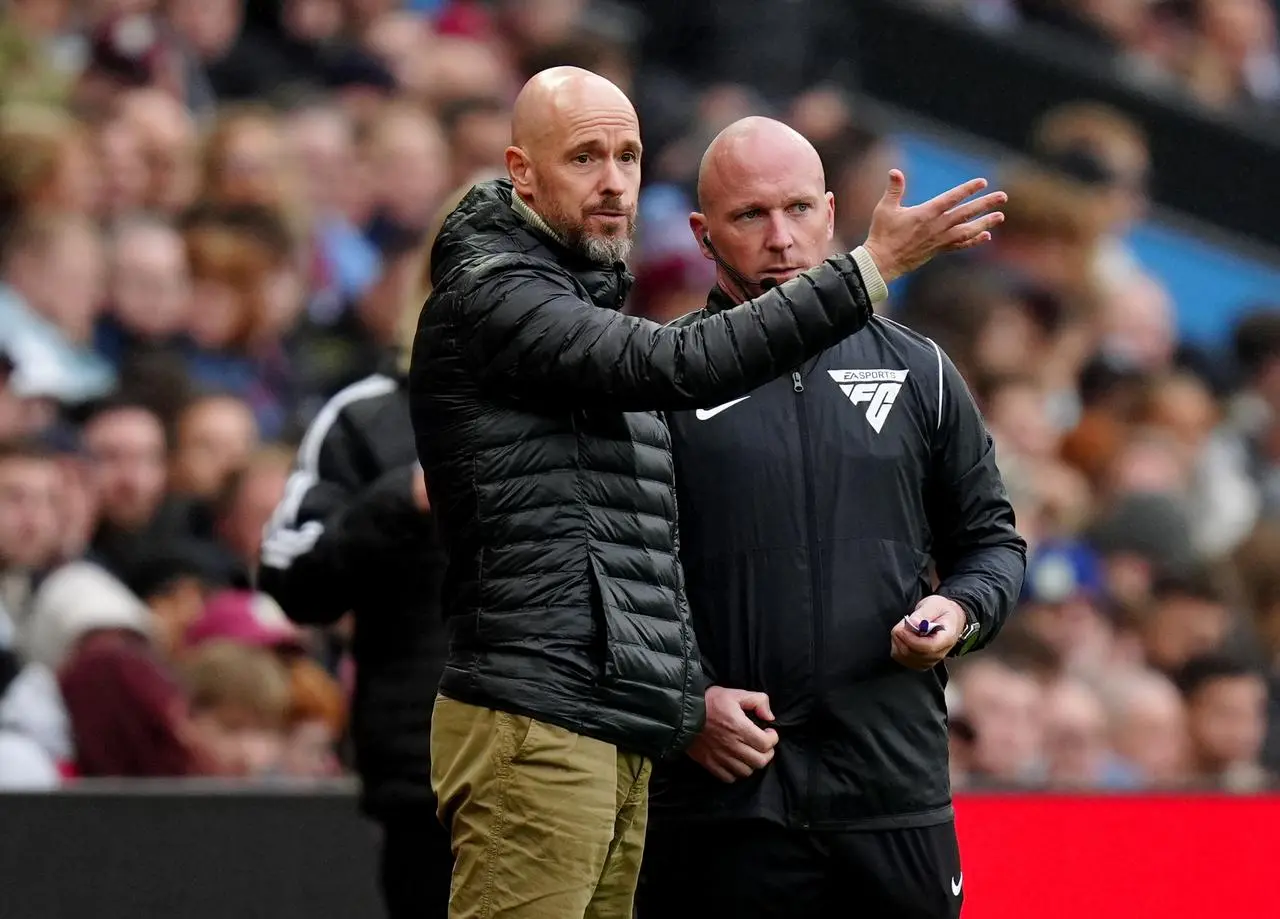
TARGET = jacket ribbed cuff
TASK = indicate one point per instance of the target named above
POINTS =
(877, 289)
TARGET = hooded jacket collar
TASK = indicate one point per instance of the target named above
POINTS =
(491, 220)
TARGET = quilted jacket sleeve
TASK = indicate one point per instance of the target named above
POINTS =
(530, 334)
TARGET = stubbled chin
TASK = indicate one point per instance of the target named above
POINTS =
(609, 227)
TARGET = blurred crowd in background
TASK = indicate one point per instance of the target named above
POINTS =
(1221, 53)
(213, 218)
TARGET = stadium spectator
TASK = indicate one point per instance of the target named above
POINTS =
(35, 736)
(149, 295)
(170, 148)
(239, 701)
(129, 716)
(1077, 748)
(76, 604)
(127, 455)
(49, 163)
(1147, 726)
(1062, 604)
(29, 526)
(118, 145)
(176, 580)
(1106, 151)
(314, 724)
(248, 618)
(214, 439)
(1188, 617)
(51, 280)
(247, 502)
(1226, 706)
(1001, 701)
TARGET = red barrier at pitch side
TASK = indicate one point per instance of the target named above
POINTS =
(1121, 857)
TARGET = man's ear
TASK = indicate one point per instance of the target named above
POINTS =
(831, 216)
(698, 225)
(520, 168)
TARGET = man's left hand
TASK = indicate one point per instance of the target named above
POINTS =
(922, 652)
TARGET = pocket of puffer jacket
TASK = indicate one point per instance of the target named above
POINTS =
(602, 645)
(620, 646)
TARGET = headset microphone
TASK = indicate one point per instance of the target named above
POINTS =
(743, 282)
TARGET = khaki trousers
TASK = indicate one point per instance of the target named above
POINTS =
(545, 823)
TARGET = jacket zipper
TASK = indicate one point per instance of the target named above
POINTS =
(815, 573)
(620, 300)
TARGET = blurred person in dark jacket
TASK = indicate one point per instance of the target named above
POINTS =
(535, 402)
(355, 533)
(866, 464)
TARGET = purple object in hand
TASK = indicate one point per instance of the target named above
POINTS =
(924, 627)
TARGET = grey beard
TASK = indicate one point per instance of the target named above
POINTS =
(603, 250)
(606, 250)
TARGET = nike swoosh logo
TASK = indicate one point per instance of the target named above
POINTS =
(703, 414)
(956, 884)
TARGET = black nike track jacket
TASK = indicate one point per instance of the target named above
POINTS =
(810, 512)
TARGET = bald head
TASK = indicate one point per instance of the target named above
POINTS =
(575, 160)
(753, 149)
(554, 100)
(764, 206)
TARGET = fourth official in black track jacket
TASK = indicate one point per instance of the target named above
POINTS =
(810, 511)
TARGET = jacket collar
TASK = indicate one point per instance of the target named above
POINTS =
(607, 286)
(533, 218)
(718, 300)
(491, 219)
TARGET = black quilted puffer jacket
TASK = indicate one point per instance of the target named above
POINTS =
(535, 405)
